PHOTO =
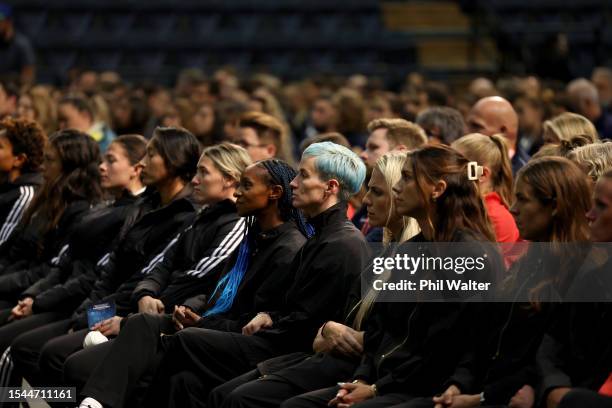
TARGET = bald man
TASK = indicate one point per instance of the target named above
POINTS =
(495, 115)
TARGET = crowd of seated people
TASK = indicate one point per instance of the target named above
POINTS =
(226, 227)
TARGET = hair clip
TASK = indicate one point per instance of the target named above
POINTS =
(474, 171)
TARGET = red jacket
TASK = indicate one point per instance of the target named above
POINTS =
(504, 226)
(500, 217)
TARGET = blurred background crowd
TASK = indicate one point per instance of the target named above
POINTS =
(128, 67)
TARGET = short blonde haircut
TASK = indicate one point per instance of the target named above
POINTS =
(400, 132)
(270, 130)
(387, 123)
(595, 158)
(228, 158)
(567, 126)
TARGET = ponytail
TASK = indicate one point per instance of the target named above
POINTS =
(490, 151)
(502, 179)
(231, 281)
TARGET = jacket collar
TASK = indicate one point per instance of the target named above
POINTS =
(493, 196)
(30, 178)
(181, 200)
(126, 198)
(270, 235)
(155, 198)
(335, 213)
(26, 179)
(223, 206)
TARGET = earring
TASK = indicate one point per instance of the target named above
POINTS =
(433, 198)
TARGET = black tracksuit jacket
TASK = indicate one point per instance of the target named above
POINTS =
(501, 359)
(15, 198)
(266, 280)
(146, 232)
(30, 256)
(577, 348)
(193, 264)
(70, 282)
(325, 270)
(414, 348)
(503, 356)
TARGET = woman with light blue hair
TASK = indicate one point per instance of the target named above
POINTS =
(334, 161)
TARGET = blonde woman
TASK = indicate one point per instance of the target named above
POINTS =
(495, 182)
(37, 105)
(568, 125)
(594, 159)
(382, 213)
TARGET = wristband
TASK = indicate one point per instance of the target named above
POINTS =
(374, 390)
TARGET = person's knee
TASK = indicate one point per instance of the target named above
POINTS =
(186, 337)
(139, 322)
(136, 320)
(190, 333)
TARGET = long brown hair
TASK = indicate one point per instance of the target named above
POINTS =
(560, 181)
(79, 179)
(460, 206)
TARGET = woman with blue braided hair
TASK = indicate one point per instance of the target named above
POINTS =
(255, 280)
(263, 194)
